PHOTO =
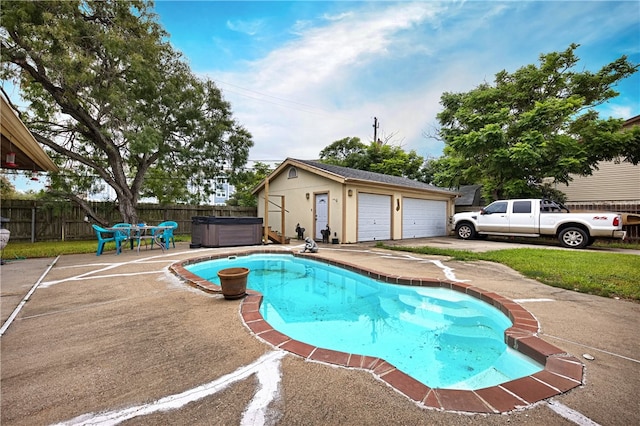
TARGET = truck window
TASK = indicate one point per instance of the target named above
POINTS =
(522, 206)
(497, 207)
(549, 206)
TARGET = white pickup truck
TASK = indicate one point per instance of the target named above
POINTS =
(534, 218)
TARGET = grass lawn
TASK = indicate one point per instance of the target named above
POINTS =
(602, 274)
(25, 250)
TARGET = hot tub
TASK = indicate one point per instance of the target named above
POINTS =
(212, 231)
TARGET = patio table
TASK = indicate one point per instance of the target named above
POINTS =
(140, 232)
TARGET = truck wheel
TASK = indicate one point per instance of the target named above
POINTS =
(573, 238)
(465, 231)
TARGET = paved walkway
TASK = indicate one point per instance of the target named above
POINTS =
(108, 339)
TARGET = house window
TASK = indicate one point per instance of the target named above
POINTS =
(293, 173)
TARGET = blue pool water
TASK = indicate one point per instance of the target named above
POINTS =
(440, 337)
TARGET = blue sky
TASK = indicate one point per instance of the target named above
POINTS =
(302, 74)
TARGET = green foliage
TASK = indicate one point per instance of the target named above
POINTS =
(344, 152)
(582, 271)
(376, 157)
(245, 181)
(116, 103)
(533, 124)
(7, 190)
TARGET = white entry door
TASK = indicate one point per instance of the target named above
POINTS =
(374, 217)
(321, 215)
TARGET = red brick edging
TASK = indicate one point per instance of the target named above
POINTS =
(562, 372)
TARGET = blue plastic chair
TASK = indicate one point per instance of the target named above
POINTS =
(105, 235)
(126, 230)
(167, 233)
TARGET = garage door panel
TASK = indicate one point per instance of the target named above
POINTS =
(374, 217)
(424, 218)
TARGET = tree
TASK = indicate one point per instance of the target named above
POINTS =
(536, 123)
(7, 189)
(375, 157)
(116, 103)
(245, 181)
(343, 152)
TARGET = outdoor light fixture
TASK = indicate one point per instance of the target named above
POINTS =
(350, 192)
(307, 195)
(11, 159)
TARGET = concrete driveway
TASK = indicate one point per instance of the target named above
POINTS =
(111, 339)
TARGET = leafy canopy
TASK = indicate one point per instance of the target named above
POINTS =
(535, 123)
(245, 181)
(375, 157)
(116, 103)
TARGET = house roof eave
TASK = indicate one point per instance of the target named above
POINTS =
(17, 138)
(325, 171)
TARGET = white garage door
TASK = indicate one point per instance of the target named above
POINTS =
(374, 217)
(423, 218)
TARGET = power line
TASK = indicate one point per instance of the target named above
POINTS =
(270, 96)
(307, 108)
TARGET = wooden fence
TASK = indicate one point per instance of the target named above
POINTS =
(46, 221)
(33, 221)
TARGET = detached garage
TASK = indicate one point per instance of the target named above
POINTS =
(352, 205)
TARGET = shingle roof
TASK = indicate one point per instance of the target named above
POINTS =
(469, 195)
(355, 174)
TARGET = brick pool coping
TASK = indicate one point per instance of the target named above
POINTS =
(562, 371)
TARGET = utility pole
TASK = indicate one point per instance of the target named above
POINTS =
(375, 129)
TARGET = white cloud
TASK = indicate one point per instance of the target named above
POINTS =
(337, 17)
(391, 61)
(616, 111)
(321, 52)
(305, 86)
(250, 27)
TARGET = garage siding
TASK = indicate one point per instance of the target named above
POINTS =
(423, 218)
(374, 217)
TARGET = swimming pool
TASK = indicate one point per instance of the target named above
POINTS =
(440, 337)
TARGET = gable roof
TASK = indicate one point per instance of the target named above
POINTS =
(470, 195)
(348, 175)
(633, 121)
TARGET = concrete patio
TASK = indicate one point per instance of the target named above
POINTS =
(118, 338)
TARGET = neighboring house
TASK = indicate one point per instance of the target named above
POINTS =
(470, 198)
(356, 205)
(613, 184)
(224, 191)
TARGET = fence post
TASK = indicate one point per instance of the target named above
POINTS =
(33, 224)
